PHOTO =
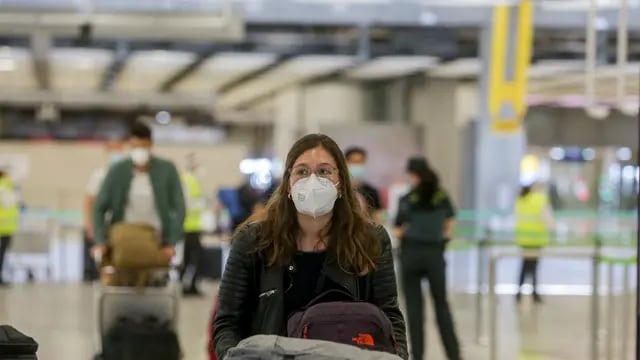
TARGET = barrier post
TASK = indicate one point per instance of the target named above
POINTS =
(481, 261)
(626, 306)
(493, 326)
(611, 312)
(595, 300)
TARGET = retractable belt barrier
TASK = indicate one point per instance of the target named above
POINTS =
(587, 246)
(503, 253)
(495, 254)
(626, 263)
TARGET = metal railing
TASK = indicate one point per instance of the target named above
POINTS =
(595, 255)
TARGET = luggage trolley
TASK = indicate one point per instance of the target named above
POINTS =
(160, 300)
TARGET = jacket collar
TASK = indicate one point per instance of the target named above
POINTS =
(348, 281)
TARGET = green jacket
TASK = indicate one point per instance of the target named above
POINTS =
(111, 202)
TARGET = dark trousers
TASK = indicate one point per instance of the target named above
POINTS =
(89, 267)
(191, 261)
(5, 241)
(529, 269)
(428, 262)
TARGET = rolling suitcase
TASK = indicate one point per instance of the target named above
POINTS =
(15, 345)
(141, 340)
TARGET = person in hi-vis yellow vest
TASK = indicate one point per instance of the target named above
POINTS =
(533, 221)
(9, 213)
(195, 204)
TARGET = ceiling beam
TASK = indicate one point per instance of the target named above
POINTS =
(294, 71)
(96, 99)
(40, 47)
(114, 70)
(160, 25)
(183, 73)
(254, 74)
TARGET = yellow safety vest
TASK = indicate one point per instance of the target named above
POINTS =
(531, 229)
(194, 191)
(8, 215)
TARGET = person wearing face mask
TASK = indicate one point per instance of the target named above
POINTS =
(115, 152)
(424, 225)
(141, 189)
(356, 161)
(312, 237)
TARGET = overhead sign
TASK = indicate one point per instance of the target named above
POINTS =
(511, 42)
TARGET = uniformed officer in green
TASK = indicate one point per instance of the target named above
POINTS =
(195, 205)
(8, 216)
(533, 219)
(423, 225)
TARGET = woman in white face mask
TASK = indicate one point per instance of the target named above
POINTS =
(313, 237)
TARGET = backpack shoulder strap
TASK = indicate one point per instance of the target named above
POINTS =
(322, 295)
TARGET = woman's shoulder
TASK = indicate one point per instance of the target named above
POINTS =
(246, 236)
(379, 232)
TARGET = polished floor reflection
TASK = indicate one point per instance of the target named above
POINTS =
(62, 318)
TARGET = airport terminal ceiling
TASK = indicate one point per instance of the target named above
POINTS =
(255, 48)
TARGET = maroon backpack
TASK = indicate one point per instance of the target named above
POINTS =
(354, 322)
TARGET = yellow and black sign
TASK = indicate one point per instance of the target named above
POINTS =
(511, 41)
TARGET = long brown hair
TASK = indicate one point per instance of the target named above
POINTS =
(351, 238)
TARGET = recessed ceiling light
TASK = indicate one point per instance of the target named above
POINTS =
(588, 154)
(630, 109)
(557, 153)
(163, 117)
(623, 154)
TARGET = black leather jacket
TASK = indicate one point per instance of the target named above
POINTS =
(251, 302)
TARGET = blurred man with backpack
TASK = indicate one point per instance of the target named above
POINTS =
(140, 205)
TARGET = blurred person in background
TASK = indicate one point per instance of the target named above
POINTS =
(357, 163)
(115, 151)
(142, 189)
(534, 218)
(554, 196)
(9, 213)
(424, 225)
(196, 204)
(249, 199)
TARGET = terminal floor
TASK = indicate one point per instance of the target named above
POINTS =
(61, 317)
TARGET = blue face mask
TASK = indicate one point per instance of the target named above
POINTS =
(357, 171)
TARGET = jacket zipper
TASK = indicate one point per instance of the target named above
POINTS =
(267, 293)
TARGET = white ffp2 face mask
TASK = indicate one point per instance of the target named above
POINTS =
(314, 196)
(140, 156)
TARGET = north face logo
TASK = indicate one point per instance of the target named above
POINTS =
(364, 339)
